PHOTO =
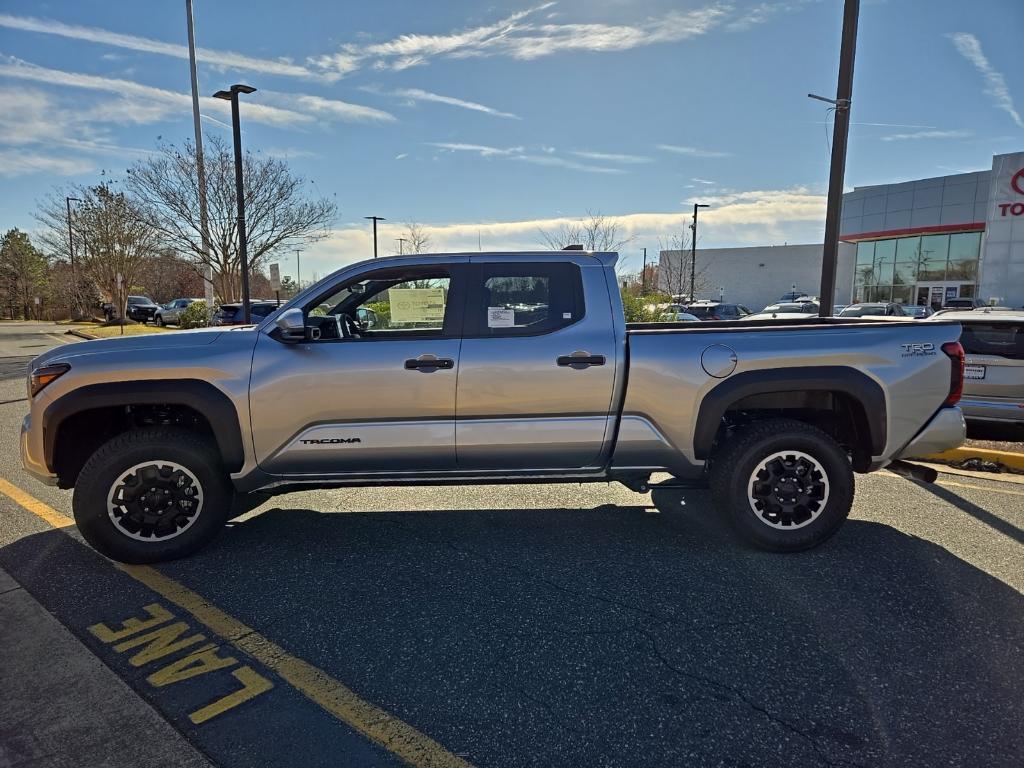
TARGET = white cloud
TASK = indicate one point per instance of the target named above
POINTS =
(175, 102)
(222, 59)
(516, 37)
(692, 151)
(958, 134)
(401, 156)
(756, 217)
(995, 84)
(702, 181)
(417, 94)
(481, 149)
(611, 157)
(20, 162)
(764, 12)
(340, 110)
(561, 162)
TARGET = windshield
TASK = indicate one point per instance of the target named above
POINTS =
(786, 309)
(860, 310)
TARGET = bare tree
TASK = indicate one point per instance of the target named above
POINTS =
(596, 232)
(114, 238)
(278, 214)
(673, 273)
(416, 238)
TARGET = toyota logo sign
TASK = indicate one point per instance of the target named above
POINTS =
(1017, 185)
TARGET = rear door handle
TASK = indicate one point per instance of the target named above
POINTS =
(428, 363)
(580, 360)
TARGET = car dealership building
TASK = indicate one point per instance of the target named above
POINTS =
(915, 242)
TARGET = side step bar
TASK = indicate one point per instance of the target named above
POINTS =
(644, 484)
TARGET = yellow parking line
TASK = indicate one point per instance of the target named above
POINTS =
(34, 505)
(381, 727)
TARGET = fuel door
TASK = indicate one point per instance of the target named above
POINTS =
(718, 360)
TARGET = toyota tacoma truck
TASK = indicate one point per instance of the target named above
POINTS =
(483, 368)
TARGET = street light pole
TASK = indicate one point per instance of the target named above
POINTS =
(643, 275)
(837, 168)
(375, 219)
(401, 244)
(71, 251)
(298, 268)
(693, 248)
(204, 221)
(236, 128)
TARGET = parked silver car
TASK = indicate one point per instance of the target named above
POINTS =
(169, 313)
(993, 341)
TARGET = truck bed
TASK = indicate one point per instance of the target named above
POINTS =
(773, 324)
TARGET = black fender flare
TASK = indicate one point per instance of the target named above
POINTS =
(826, 378)
(200, 396)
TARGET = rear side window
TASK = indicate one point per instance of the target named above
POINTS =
(1001, 339)
(701, 312)
(525, 299)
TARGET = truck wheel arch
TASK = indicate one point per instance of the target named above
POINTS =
(854, 385)
(199, 396)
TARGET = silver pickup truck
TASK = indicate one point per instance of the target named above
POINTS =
(483, 368)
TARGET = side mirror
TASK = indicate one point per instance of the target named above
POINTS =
(292, 325)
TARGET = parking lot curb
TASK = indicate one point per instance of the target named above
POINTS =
(1006, 458)
(81, 335)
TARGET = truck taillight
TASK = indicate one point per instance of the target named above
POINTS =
(955, 351)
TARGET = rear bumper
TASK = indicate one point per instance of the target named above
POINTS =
(1001, 410)
(946, 430)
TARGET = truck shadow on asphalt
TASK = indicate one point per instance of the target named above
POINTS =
(631, 635)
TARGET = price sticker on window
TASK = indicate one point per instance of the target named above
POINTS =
(499, 317)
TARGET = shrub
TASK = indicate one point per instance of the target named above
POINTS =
(194, 316)
(636, 310)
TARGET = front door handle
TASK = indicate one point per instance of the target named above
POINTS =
(580, 360)
(428, 363)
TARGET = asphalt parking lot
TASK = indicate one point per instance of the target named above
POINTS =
(559, 625)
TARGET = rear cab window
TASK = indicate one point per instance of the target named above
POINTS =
(517, 299)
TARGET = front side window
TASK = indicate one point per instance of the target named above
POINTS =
(387, 304)
(526, 299)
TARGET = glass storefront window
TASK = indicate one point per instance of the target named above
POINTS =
(865, 254)
(963, 256)
(908, 248)
(885, 256)
(905, 273)
(901, 294)
(932, 264)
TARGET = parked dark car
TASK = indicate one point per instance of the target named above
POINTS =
(918, 311)
(716, 310)
(232, 314)
(141, 308)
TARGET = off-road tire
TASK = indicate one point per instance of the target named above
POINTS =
(733, 484)
(120, 454)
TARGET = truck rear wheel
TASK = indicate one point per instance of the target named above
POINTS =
(782, 484)
(151, 495)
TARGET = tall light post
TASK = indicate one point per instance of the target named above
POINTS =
(298, 268)
(401, 244)
(837, 166)
(243, 254)
(375, 219)
(71, 251)
(693, 248)
(204, 221)
(643, 276)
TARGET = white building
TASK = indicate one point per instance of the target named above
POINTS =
(755, 277)
(915, 242)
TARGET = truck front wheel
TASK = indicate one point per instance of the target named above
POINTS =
(151, 495)
(782, 484)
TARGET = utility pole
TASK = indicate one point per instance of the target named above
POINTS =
(243, 253)
(298, 269)
(375, 220)
(693, 248)
(837, 169)
(74, 272)
(204, 221)
(643, 276)
(401, 243)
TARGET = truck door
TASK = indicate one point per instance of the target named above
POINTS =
(372, 389)
(537, 367)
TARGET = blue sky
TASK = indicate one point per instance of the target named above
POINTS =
(490, 122)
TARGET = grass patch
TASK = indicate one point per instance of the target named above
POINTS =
(113, 331)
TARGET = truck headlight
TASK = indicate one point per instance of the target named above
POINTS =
(44, 374)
